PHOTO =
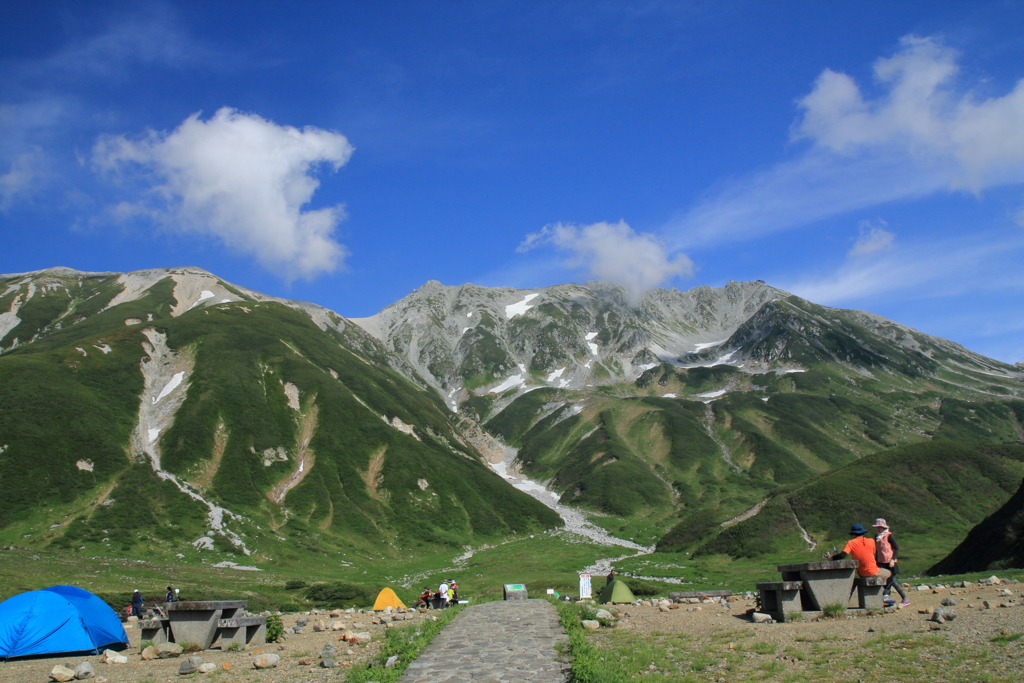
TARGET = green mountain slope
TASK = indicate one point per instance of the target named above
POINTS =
(995, 543)
(192, 414)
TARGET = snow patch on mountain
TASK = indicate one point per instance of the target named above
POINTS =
(513, 381)
(512, 310)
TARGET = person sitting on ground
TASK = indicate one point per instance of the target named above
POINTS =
(863, 550)
(886, 553)
(426, 597)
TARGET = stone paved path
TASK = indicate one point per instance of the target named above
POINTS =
(506, 642)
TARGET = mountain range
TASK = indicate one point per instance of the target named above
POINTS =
(171, 405)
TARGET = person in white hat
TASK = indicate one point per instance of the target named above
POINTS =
(886, 555)
(137, 603)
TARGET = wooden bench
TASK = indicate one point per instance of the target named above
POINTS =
(781, 598)
(869, 591)
(242, 631)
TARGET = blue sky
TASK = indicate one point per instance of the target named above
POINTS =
(864, 155)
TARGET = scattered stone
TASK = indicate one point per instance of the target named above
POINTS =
(392, 660)
(187, 667)
(207, 667)
(353, 640)
(986, 604)
(923, 587)
(662, 608)
(943, 614)
(61, 673)
(165, 650)
(948, 602)
(117, 659)
(363, 638)
(1006, 591)
(305, 661)
(328, 651)
(319, 626)
(590, 624)
(296, 629)
(761, 617)
(871, 629)
(603, 614)
(226, 666)
(101, 679)
(302, 622)
(328, 663)
(935, 626)
(84, 670)
(673, 606)
(266, 661)
(337, 626)
(149, 653)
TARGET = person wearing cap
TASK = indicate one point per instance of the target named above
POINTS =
(453, 592)
(137, 603)
(426, 597)
(886, 553)
(863, 550)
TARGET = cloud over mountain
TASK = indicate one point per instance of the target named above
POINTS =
(239, 178)
(613, 252)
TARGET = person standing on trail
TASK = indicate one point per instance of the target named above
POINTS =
(886, 555)
(137, 604)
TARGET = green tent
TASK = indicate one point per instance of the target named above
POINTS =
(616, 591)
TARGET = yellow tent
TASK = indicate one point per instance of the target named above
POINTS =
(387, 598)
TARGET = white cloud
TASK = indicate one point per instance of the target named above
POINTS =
(873, 237)
(978, 263)
(613, 252)
(21, 179)
(980, 142)
(242, 179)
(921, 135)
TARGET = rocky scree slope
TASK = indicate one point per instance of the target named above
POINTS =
(171, 409)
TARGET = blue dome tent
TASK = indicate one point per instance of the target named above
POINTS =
(58, 619)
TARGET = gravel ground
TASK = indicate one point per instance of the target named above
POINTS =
(289, 669)
(742, 650)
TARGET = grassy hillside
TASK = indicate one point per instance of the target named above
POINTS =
(931, 494)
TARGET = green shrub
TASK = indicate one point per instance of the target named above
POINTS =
(275, 629)
(340, 594)
(294, 584)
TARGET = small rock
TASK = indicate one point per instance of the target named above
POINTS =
(662, 608)
(265, 661)
(935, 626)
(363, 638)
(986, 604)
(673, 606)
(226, 666)
(353, 640)
(603, 614)
(943, 613)
(149, 653)
(590, 624)
(760, 617)
(328, 651)
(296, 629)
(305, 661)
(923, 587)
(302, 622)
(319, 626)
(337, 626)
(84, 670)
(117, 659)
(871, 629)
(165, 650)
(187, 667)
(61, 673)
(101, 679)
(207, 667)
(328, 663)
(392, 660)
(949, 602)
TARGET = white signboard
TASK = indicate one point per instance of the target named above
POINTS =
(585, 587)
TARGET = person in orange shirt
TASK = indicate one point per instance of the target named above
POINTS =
(863, 550)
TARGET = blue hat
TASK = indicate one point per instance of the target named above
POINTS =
(856, 529)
